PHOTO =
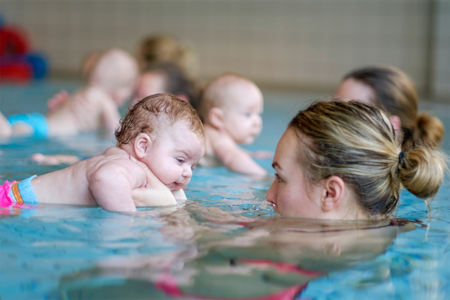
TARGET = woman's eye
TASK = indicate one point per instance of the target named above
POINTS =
(278, 177)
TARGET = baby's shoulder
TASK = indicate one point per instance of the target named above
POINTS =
(116, 151)
(116, 159)
(214, 136)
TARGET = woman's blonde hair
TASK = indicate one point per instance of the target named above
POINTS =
(357, 143)
(395, 93)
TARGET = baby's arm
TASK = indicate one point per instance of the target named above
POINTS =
(112, 184)
(235, 158)
(155, 193)
(261, 154)
(57, 101)
(180, 195)
(54, 160)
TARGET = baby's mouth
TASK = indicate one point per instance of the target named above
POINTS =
(175, 186)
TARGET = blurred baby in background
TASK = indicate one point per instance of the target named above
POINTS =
(111, 81)
(231, 109)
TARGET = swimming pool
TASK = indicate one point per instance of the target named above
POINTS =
(196, 251)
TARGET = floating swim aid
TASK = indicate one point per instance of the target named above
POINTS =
(16, 62)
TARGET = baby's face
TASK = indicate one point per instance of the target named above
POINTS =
(173, 155)
(242, 118)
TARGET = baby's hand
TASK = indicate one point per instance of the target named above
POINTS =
(155, 193)
(57, 100)
(262, 154)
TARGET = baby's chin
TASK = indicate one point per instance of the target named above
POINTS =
(173, 187)
(248, 140)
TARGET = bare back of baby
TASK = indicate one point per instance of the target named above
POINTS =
(73, 185)
(86, 110)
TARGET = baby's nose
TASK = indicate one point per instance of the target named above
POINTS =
(187, 172)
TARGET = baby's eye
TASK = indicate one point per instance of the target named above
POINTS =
(193, 167)
(247, 115)
(278, 177)
(180, 160)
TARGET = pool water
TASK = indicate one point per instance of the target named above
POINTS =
(223, 243)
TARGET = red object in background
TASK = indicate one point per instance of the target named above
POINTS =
(17, 63)
(12, 41)
(20, 72)
(13, 46)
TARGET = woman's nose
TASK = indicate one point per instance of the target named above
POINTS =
(272, 193)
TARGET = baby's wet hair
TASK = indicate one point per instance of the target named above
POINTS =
(357, 143)
(153, 113)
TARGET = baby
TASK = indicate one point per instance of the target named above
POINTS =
(165, 77)
(159, 142)
(231, 109)
(111, 82)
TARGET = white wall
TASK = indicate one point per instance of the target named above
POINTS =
(301, 43)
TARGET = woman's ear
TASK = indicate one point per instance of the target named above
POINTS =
(142, 143)
(216, 117)
(333, 193)
(396, 123)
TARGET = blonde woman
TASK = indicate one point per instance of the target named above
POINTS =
(341, 160)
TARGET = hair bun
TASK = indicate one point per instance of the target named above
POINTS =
(430, 130)
(422, 171)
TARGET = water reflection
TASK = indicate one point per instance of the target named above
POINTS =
(230, 256)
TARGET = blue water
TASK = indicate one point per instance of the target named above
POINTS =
(221, 243)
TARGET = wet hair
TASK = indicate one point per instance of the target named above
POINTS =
(357, 143)
(219, 92)
(165, 48)
(395, 93)
(175, 81)
(154, 113)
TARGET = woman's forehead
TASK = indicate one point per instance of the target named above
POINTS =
(287, 148)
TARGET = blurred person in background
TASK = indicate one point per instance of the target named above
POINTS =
(111, 81)
(391, 90)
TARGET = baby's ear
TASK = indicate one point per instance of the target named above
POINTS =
(142, 143)
(216, 117)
